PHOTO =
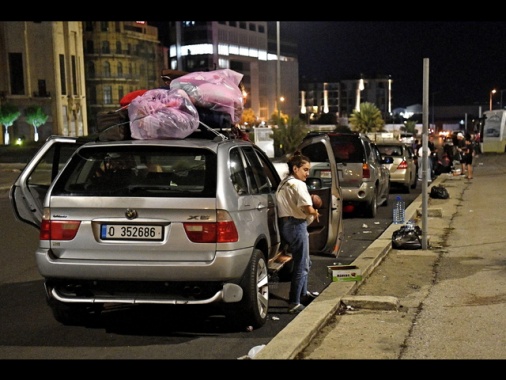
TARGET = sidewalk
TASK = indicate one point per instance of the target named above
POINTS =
(445, 302)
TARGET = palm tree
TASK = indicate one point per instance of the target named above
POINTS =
(367, 119)
(289, 134)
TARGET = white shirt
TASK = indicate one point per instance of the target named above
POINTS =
(292, 195)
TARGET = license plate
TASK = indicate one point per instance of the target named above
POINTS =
(130, 232)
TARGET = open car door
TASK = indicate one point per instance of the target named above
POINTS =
(29, 190)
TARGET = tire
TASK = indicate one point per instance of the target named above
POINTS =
(371, 208)
(253, 308)
(413, 185)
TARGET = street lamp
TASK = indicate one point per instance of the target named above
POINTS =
(278, 106)
(491, 94)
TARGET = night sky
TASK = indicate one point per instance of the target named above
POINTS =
(467, 59)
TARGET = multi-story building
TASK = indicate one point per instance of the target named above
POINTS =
(41, 64)
(340, 99)
(120, 57)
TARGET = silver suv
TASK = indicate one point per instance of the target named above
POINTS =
(363, 175)
(177, 222)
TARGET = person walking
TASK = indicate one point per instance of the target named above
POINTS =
(461, 146)
(295, 212)
(467, 157)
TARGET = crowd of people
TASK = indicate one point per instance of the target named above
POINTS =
(456, 153)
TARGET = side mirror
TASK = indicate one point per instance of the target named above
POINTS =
(313, 183)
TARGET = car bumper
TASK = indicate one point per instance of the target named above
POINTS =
(364, 193)
(226, 266)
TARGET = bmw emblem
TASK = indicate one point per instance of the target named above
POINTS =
(131, 214)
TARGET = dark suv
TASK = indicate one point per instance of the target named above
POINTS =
(363, 176)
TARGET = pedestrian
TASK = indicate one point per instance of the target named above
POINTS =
(461, 146)
(434, 155)
(295, 212)
(467, 157)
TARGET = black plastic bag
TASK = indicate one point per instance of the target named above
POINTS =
(407, 237)
(439, 192)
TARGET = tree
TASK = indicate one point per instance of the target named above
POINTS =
(288, 135)
(36, 117)
(248, 117)
(367, 119)
(279, 119)
(8, 115)
(410, 127)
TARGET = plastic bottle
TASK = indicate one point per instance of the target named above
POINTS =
(399, 210)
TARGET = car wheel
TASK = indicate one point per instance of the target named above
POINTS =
(253, 308)
(413, 184)
(372, 207)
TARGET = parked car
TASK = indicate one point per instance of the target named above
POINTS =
(363, 176)
(403, 167)
(175, 221)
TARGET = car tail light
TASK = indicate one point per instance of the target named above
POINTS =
(366, 171)
(58, 229)
(221, 231)
(403, 165)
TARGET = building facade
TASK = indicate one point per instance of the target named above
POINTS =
(340, 99)
(120, 57)
(42, 65)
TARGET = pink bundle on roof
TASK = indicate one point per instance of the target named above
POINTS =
(162, 114)
(216, 90)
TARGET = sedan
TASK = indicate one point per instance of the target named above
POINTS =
(403, 168)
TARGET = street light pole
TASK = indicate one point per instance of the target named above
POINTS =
(491, 94)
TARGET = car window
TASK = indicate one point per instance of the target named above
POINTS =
(238, 172)
(375, 153)
(390, 150)
(139, 171)
(347, 149)
(260, 184)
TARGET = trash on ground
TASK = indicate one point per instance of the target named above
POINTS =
(255, 350)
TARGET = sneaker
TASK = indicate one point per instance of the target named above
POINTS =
(296, 309)
(312, 294)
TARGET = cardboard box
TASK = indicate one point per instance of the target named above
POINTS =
(343, 273)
